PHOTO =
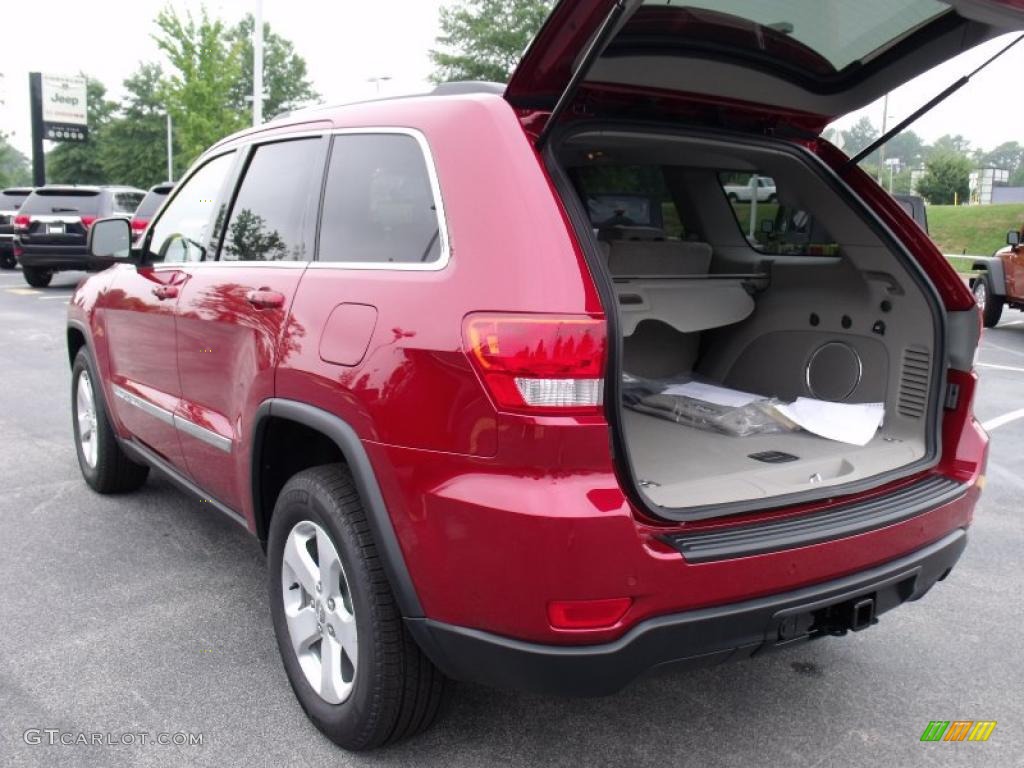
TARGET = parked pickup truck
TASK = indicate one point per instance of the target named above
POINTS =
(743, 193)
(999, 279)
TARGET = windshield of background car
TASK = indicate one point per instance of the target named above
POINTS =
(628, 196)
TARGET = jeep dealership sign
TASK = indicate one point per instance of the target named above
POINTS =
(64, 108)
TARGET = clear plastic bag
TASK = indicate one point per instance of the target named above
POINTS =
(701, 404)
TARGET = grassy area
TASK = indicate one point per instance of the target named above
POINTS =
(977, 230)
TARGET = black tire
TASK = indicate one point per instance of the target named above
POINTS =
(113, 471)
(733, 197)
(397, 692)
(991, 306)
(7, 261)
(36, 277)
(773, 198)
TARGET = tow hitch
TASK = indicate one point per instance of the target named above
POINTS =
(857, 613)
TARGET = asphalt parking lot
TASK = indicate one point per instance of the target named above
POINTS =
(147, 614)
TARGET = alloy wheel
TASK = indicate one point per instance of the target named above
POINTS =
(319, 612)
(85, 412)
(981, 294)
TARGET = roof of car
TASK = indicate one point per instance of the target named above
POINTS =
(331, 112)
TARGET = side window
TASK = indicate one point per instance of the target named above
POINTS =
(379, 205)
(127, 202)
(271, 214)
(770, 220)
(182, 231)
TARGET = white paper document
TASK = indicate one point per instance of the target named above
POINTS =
(709, 393)
(854, 423)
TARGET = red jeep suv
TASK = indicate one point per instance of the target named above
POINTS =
(511, 390)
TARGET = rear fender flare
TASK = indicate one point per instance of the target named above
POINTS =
(352, 449)
(997, 276)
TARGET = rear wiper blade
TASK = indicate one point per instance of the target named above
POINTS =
(63, 210)
(866, 152)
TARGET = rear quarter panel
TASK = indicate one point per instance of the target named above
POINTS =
(511, 250)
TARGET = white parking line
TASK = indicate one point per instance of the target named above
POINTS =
(1015, 322)
(65, 298)
(1006, 418)
(1001, 367)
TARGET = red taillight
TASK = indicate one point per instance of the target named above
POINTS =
(87, 221)
(587, 614)
(540, 363)
(139, 225)
(21, 221)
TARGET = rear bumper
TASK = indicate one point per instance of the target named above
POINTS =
(696, 638)
(54, 256)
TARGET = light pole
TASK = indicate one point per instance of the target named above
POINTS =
(170, 149)
(257, 65)
(378, 79)
(885, 124)
(892, 162)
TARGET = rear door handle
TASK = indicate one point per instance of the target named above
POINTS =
(264, 298)
(166, 292)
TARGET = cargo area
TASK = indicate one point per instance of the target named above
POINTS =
(739, 269)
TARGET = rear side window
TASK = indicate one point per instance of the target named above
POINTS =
(182, 232)
(11, 201)
(771, 221)
(45, 202)
(127, 202)
(379, 205)
(272, 212)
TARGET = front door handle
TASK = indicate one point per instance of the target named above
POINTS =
(166, 292)
(264, 298)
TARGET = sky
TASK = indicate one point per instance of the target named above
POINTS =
(345, 43)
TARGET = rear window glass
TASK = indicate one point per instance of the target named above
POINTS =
(150, 203)
(769, 221)
(79, 201)
(839, 32)
(127, 202)
(624, 196)
(379, 205)
(11, 201)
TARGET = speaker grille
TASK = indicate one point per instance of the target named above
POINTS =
(914, 380)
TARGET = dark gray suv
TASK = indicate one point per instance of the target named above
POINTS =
(52, 225)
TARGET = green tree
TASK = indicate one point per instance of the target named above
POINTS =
(206, 67)
(859, 136)
(947, 178)
(80, 162)
(135, 149)
(948, 144)
(484, 39)
(14, 168)
(907, 146)
(285, 82)
(1009, 156)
